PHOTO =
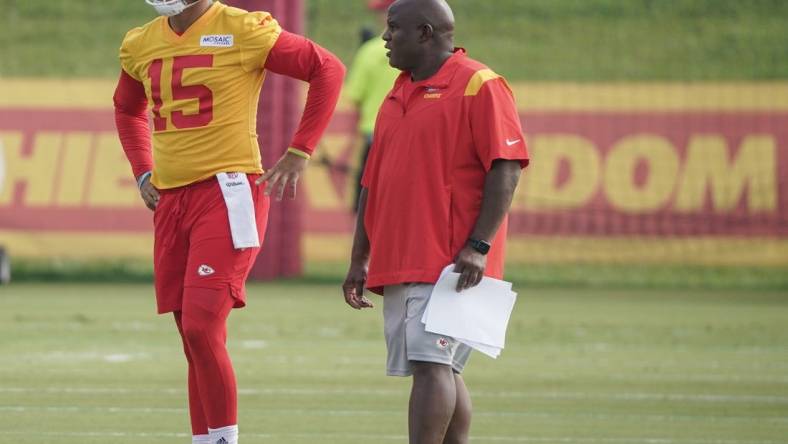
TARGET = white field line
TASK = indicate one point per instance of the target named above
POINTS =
(317, 437)
(736, 360)
(389, 413)
(534, 377)
(573, 396)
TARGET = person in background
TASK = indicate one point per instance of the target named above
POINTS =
(369, 79)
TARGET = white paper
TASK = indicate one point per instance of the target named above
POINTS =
(240, 209)
(488, 350)
(477, 316)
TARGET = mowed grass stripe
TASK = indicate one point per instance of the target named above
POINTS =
(61, 409)
(744, 379)
(625, 397)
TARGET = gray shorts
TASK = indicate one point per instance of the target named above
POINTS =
(406, 339)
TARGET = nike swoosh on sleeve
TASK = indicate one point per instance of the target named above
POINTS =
(512, 142)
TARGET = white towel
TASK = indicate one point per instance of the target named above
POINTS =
(240, 209)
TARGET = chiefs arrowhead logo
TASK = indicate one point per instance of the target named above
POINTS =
(205, 270)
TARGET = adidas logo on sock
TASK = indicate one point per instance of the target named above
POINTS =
(221, 441)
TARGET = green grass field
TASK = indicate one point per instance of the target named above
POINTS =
(554, 40)
(94, 364)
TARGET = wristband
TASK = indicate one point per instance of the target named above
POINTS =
(141, 179)
(299, 153)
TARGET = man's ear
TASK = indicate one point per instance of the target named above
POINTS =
(427, 31)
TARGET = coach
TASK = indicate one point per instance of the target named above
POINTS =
(448, 152)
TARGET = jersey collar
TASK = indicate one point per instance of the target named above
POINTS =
(195, 27)
(441, 79)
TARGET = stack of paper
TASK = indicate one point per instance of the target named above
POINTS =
(477, 317)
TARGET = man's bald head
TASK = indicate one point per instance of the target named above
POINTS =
(435, 13)
(420, 34)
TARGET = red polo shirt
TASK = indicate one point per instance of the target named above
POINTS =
(434, 142)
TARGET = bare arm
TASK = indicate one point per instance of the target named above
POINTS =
(353, 287)
(499, 186)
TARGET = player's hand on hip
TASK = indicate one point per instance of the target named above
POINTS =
(283, 176)
(470, 264)
(149, 193)
(353, 288)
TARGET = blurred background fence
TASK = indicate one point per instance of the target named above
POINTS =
(658, 131)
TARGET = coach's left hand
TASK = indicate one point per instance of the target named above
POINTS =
(283, 175)
(470, 264)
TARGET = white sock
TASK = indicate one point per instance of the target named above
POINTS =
(224, 435)
(201, 439)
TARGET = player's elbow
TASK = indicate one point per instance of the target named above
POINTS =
(121, 110)
(117, 102)
(125, 106)
(341, 69)
(334, 68)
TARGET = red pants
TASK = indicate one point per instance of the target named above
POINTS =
(200, 277)
(193, 246)
(213, 400)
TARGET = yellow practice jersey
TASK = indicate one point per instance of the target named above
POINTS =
(203, 88)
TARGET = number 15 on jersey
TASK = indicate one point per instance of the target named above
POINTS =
(179, 91)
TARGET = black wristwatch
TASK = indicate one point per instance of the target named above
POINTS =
(481, 246)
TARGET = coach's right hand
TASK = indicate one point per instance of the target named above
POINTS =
(353, 288)
(149, 193)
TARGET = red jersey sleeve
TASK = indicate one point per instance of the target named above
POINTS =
(131, 120)
(495, 125)
(298, 57)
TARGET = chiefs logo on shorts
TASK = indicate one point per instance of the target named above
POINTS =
(442, 343)
(205, 270)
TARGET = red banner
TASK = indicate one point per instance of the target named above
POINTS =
(601, 173)
(633, 173)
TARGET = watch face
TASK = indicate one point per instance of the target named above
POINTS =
(480, 246)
